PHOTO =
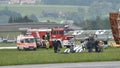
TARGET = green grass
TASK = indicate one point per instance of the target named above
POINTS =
(43, 56)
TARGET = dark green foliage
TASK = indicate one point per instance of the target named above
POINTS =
(25, 19)
(34, 18)
(10, 19)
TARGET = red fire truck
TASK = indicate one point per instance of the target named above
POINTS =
(50, 34)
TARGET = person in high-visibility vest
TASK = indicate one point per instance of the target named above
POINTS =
(47, 44)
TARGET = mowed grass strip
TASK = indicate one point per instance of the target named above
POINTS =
(43, 56)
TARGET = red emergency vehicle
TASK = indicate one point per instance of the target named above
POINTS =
(50, 34)
(25, 42)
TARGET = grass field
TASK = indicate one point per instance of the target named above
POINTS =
(43, 56)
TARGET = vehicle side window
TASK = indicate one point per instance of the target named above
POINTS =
(31, 40)
(27, 40)
(54, 32)
(61, 32)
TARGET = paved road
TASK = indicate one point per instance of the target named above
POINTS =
(8, 47)
(112, 64)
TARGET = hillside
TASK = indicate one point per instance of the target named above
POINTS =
(77, 2)
(57, 10)
(37, 10)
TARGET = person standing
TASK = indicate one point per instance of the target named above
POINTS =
(59, 45)
(100, 46)
(47, 44)
(95, 42)
(72, 48)
(90, 45)
(96, 46)
(55, 45)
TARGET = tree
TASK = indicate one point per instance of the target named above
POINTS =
(10, 20)
(26, 19)
(34, 18)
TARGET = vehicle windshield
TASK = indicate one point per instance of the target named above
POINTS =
(28, 40)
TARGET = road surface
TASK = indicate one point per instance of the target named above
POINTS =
(111, 64)
(8, 47)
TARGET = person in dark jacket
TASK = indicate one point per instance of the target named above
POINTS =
(96, 46)
(55, 45)
(90, 45)
(59, 45)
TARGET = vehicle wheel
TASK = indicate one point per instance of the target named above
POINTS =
(34, 49)
(25, 49)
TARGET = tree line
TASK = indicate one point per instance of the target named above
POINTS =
(19, 19)
(95, 14)
(15, 17)
(78, 17)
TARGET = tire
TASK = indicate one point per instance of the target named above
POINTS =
(24, 49)
(34, 49)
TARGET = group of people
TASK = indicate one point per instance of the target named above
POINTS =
(56, 45)
(94, 43)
